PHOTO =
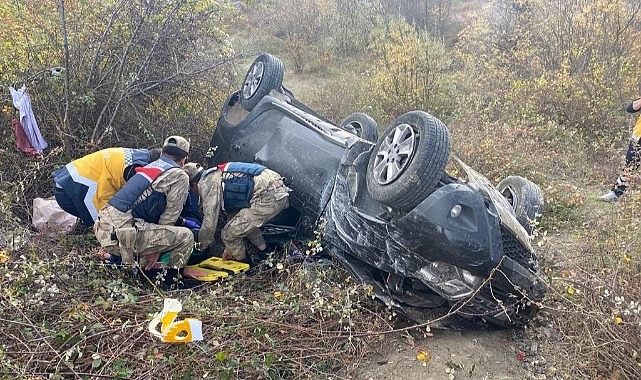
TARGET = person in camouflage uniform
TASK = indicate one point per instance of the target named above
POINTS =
(141, 220)
(250, 194)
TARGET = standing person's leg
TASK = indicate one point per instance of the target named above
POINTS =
(262, 211)
(233, 233)
(632, 162)
(633, 156)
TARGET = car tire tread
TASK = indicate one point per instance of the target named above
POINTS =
(428, 163)
(369, 127)
(529, 204)
(272, 79)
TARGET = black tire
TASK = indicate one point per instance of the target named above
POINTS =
(408, 160)
(526, 199)
(265, 74)
(362, 125)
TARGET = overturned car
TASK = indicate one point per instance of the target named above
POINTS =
(429, 243)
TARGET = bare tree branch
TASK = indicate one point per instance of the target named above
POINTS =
(121, 66)
(65, 43)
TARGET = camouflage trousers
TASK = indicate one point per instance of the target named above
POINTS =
(246, 222)
(146, 238)
(632, 163)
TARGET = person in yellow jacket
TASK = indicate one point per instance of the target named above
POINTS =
(83, 186)
(632, 157)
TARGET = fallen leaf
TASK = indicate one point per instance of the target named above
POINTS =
(423, 356)
(571, 290)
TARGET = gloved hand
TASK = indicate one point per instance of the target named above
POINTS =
(191, 224)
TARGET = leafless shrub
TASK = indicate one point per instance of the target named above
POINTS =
(594, 303)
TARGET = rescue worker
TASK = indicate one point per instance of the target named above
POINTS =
(632, 157)
(141, 220)
(250, 194)
(191, 209)
(83, 186)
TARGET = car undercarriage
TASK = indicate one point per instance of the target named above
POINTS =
(430, 244)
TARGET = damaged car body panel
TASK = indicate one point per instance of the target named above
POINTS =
(393, 216)
(450, 253)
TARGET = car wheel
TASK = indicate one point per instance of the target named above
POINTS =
(362, 125)
(408, 160)
(526, 199)
(265, 74)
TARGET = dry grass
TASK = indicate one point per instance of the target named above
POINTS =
(594, 299)
(68, 315)
(65, 314)
(590, 251)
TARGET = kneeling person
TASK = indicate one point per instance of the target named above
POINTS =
(250, 194)
(83, 186)
(141, 220)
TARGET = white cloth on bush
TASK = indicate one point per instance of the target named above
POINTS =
(22, 102)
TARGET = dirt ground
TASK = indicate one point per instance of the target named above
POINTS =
(449, 355)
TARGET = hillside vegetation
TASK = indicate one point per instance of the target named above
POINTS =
(527, 87)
